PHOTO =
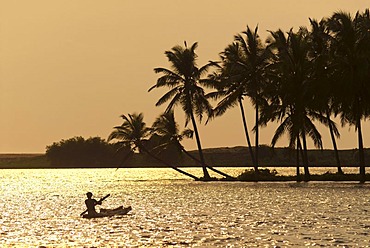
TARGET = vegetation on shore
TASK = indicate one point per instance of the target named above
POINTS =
(279, 157)
(296, 78)
(266, 175)
(219, 157)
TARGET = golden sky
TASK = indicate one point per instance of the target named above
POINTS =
(71, 68)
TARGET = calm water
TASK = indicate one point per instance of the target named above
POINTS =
(42, 207)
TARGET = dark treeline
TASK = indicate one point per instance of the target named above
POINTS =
(93, 152)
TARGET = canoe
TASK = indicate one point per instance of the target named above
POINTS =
(109, 212)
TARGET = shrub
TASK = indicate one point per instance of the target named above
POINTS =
(78, 152)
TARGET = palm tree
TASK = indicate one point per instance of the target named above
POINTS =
(167, 129)
(290, 93)
(225, 86)
(320, 40)
(185, 82)
(351, 53)
(133, 133)
(244, 63)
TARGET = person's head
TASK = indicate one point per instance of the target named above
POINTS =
(89, 195)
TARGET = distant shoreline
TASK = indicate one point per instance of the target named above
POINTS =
(216, 157)
(222, 156)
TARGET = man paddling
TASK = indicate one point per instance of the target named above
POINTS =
(91, 203)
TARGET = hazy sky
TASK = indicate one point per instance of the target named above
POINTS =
(71, 68)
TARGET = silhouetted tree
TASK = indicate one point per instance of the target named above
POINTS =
(290, 92)
(323, 83)
(351, 53)
(242, 74)
(185, 82)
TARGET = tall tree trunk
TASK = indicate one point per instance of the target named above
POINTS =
(209, 167)
(169, 165)
(299, 148)
(340, 171)
(361, 152)
(257, 138)
(305, 159)
(246, 133)
(204, 167)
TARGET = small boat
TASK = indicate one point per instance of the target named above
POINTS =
(109, 212)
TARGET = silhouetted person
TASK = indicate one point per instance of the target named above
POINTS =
(91, 203)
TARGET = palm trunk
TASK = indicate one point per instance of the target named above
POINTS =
(340, 171)
(128, 155)
(257, 138)
(246, 133)
(209, 167)
(299, 148)
(169, 165)
(305, 159)
(204, 167)
(361, 152)
(302, 152)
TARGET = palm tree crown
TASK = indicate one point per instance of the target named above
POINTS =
(167, 129)
(132, 132)
(185, 82)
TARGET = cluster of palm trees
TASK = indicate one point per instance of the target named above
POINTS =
(295, 78)
(164, 134)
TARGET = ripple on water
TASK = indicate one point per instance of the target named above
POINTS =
(42, 207)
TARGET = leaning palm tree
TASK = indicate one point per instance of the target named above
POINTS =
(133, 133)
(243, 68)
(351, 53)
(185, 82)
(167, 129)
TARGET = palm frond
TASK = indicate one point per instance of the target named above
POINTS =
(204, 69)
(175, 100)
(168, 81)
(228, 102)
(193, 47)
(313, 133)
(281, 129)
(213, 95)
(167, 96)
(187, 133)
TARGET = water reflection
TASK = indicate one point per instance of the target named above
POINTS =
(42, 207)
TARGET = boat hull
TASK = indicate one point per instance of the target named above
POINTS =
(109, 212)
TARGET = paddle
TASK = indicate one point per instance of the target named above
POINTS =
(102, 199)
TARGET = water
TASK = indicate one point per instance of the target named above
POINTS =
(42, 207)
